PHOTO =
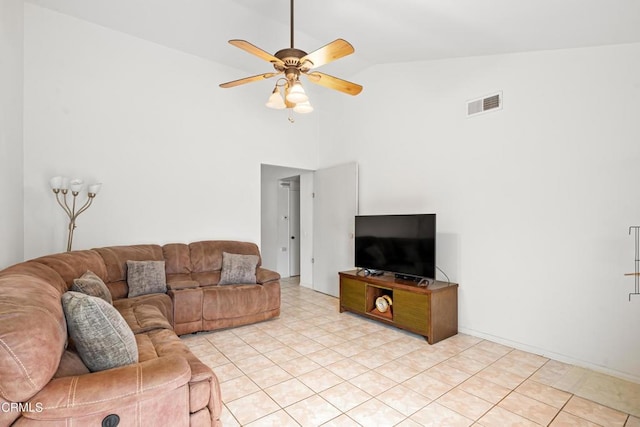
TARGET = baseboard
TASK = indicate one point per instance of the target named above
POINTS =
(551, 355)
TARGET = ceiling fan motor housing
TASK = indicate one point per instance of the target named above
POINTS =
(291, 58)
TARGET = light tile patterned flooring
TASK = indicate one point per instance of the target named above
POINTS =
(314, 366)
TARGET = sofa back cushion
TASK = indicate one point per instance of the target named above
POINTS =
(115, 259)
(177, 258)
(33, 333)
(206, 258)
(71, 265)
(177, 263)
(42, 271)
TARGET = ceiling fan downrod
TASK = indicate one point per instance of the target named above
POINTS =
(291, 24)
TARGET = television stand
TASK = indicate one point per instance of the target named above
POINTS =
(428, 311)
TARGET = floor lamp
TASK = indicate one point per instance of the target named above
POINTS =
(61, 186)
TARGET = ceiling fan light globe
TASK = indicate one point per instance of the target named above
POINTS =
(303, 108)
(275, 101)
(296, 94)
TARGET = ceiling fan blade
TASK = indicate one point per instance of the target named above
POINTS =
(331, 82)
(254, 50)
(328, 53)
(248, 80)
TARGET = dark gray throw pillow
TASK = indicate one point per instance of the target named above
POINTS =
(89, 283)
(101, 336)
(146, 277)
(238, 269)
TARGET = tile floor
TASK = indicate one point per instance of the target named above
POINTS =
(314, 366)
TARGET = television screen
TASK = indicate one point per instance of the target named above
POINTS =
(401, 244)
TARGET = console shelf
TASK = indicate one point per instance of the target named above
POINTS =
(428, 311)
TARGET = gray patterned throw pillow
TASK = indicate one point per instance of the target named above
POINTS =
(238, 269)
(102, 337)
(146, 277)
(89, 283)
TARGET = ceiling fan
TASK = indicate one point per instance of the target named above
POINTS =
(292, 63)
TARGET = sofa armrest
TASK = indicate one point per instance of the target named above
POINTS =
(265, 276)
(100, 392)
(182, 284)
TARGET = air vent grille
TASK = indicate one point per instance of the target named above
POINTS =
(484, 104)
(491, 102)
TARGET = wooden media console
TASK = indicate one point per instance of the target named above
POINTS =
(428, 311)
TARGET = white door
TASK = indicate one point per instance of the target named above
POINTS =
(283, 230)
(294, 232)
(306, 229)
(335, 205)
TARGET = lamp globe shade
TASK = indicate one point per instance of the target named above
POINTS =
(275, 101)
(303, 108)
(296, 94)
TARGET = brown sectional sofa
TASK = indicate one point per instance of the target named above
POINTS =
(44, 382)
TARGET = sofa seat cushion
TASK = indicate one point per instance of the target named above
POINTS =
(232, 301)
(144, 318)
(161, 301)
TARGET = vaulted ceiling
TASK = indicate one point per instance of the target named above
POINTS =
(382, 31)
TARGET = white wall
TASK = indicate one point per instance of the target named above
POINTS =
(11, 176)
(533, 201)
(179, 157)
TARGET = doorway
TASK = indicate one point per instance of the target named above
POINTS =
(288, 260)
(282, 245)
(307, 223)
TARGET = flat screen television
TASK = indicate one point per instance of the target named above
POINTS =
(400, 244)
